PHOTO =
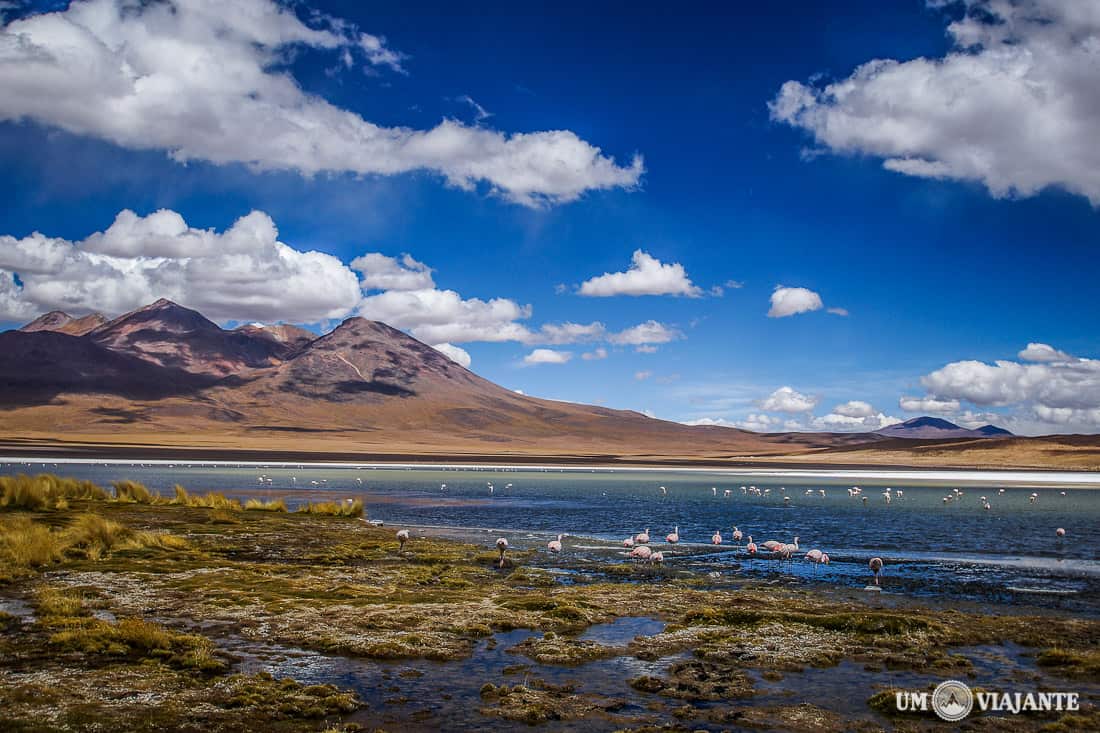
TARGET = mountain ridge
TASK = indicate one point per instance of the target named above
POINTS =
(165, 375)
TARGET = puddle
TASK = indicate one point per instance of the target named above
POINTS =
(18, 608)
(622, 631)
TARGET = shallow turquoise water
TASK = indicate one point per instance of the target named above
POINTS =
(1008, 553)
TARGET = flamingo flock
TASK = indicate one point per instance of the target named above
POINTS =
(638, 545)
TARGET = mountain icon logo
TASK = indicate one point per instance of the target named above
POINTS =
(952, 700)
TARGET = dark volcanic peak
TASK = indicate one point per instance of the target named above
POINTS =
(934, 427)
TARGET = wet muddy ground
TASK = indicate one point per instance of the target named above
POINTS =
(303, 622)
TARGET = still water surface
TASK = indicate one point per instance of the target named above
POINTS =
(1008, 553)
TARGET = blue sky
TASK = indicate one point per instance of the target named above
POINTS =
(948, 234)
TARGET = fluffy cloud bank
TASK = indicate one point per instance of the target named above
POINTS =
(247, 274)
(647, 276)
(1014, 105)
(244, 273)
(1050, 390)
(206, 80)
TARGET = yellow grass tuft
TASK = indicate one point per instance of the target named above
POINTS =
(132, 492)
(93, 537)
(211, 500)
(28, 544)
(45, 492)
(334, 508)
(278, 505)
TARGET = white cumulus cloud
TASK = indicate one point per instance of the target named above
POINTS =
(928, 404)
(1043, 353)
(855, 408)
(1014, 105)
(547, 356)
(207, 80)
(650, 332)
(379, 272)
(786, 399)
(792, 301)
(647, 276)
(454, 353)
(1053, 392)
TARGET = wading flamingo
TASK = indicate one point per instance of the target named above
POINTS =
(657, 558)
(1060, 532)
(555, 545)
(641, 552)
(876, 567)
(751, 546)
(502, 547)
(402, 538)
(736, 534)
(643, 538)
(716, 538)
(628, 542)
(673, 537)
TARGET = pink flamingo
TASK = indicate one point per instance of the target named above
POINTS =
(502, 547)
(673, 537)
(657, 558)
(876, 567)
(641, 552)
(736, 534)
(555, 545)
(751, 548)
(1060, 532)
(628, 542)
(772, 545)
(824, 559)
(643, 538)
(716, 538)
(402, 538)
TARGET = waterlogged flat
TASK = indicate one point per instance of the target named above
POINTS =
(298, 622)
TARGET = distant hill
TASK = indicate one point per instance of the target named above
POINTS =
(931, 428)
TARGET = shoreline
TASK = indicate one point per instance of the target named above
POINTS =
(1021, 478)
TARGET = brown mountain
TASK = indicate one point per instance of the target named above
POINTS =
(295, 337)
(169, 335)
(61, 322)
(165, 378)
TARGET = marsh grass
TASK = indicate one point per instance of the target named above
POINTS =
(45, 492)
(93, 537)
(28, 544)
(333, 508)
(210, 500)
(277, 505)
(137, 638)
(133, 492)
